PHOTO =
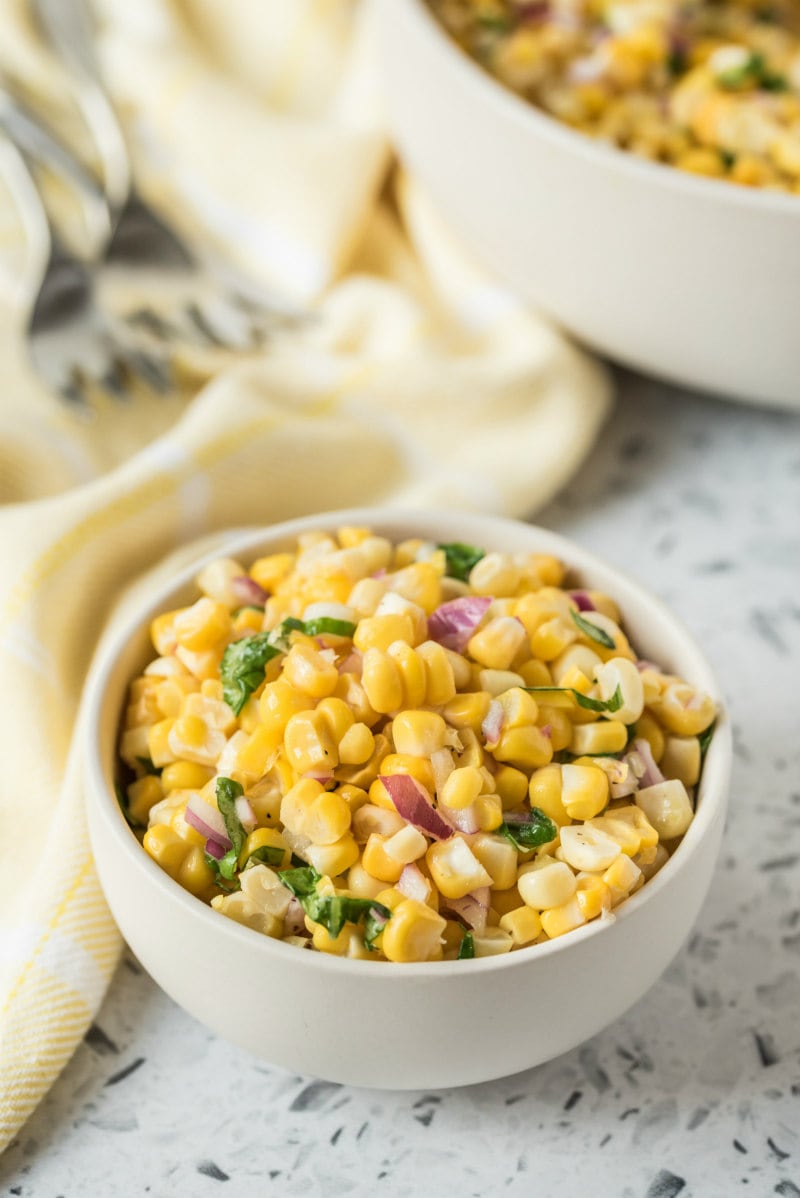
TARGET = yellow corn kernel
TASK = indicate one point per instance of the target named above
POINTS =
(327, 818)
(467, 710)
(497, 644)
(545, 883)
(377, 862)
(454, 868)
(354, 796)
(162, 632)
(337, 715)
(382, 681)
(498, 857)
(511, 786)
(593, 896)
(305, 668)
(472, 751)
(491, 942)
(189, 730)
(166, 847)
(452, 936)
(684, 711)
(462, 787)
(440, 685)
(584, 790)
(391, 897)
(297, 802)
(682, 759)
(418, 733)
(279, 701)
(194, 873)
(413, 933)
(577, 656)
(523, 925)
(333, 859)
(257, 752)
(406, 845)
(322, 940)
(495, 574)
(495, 682)
(411, 668)
(504, 901)
(350, 690)
(535, 673)
(402, 763)
(172, 691)
(158, 749)
(266, 838)
(421, 583)
(701, 162)
(247, 620)
(351, 535)
(636, 818)
(551, 638)
(650, 730)
(565, 918)
(558, 725)
(545, 793)
(202, 626)
(488, 812)
(519, 708)
(270, 571)
(361, 883)
(527, 748)
(605, 736)
(620, 830)
(365, 775)
(309, 744)
(621, 877)
(357, 745)
(379, 632)
(142, 795)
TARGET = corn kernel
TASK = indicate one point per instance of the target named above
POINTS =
(650, 730)
(382, 681)
(621, 877)
(454, 868)
(308, 743)
(587, 848)
(526, 748)
(142, 795)
(565, 918)
(667, 807)
(545, 793)
(377, 862)
(488, 812)
(297, 802)
(418, 733)
(684, 711)
(546, 883)
(357, 745)
(498, 857)
(584, 790)
(333, 859)
(605, 736)
(467, 710)
(551, 638)
(270, 571)
(462, 787)
(682, 759)
(327, 818)
(406, 846)
(491, 942)
(523, 925)
(307, 670)
(158, 749)
(419, 582)
(511, 786)
(414, 933)
(361, 883)
(593, 896)
(497, 644)
(202, 626)
(265, 838)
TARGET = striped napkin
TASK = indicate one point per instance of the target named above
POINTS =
(415, 381)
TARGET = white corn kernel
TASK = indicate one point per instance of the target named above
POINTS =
(667, 806)
(547, 885)
(588, 848)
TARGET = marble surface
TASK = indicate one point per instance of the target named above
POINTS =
(696, 1091)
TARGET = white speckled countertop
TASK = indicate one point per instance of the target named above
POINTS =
(696, 1091)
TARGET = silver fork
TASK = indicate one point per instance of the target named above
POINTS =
(73, 343)
(225, 309)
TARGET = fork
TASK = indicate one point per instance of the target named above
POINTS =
(226, 309)
(73, 343)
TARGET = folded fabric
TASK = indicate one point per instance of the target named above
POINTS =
(413, 380)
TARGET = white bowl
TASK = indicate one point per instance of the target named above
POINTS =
(692, 279)
(379, 1024)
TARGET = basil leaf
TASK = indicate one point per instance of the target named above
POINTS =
(612, 704)
(375, 921)
(224, 870)
(592, 631)
(228, 792)
(460, 559)
(147, 765)
(301, 882)
(333, 911)
(242, 667)
(705, 739)
(754, 70)
(267, 854)
(540, 829)
(467, 950)
(327, 624)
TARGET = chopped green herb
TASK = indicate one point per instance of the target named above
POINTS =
(460, 559)
(677, 61)
(752, 72)
(333, 911)
(592, 631)
(242, 667)
(248, 607)
(705, 739)
(612, 704)
(122, 799)
(228, 792)
(495, 24)
(467, 950)
(728, 159)
(266, 854)
(539, 830)
(147, 765)
(224, 870)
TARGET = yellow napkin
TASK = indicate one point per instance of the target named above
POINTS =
(416, 382)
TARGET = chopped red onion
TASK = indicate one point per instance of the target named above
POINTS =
(206, 820)
(453, 623)
(215, 849)
(294, 919)
(413, 883)
(583, 601)
(414, 803)
(246, 814)
(492, 726)
(629, 786)
(352, 664)
(652, 774)
(472, 908)
(518, 817)
(247, 590)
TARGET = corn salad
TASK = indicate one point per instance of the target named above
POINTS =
(712, 88)
(407, 752)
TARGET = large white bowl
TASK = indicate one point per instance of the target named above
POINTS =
(692, 279)
(380, 1024)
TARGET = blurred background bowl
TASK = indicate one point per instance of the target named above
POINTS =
(690, 279)
(432, 1024)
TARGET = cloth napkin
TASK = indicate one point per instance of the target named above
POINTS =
(414, 380)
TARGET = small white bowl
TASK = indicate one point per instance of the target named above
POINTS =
(379, 1024)
(692, 279)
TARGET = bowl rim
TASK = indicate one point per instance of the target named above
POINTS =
(512, 106)
(714, 783)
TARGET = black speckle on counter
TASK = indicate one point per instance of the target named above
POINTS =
(665, 1185)
(787, 862)
(763, 625)
(336, 1134)
(126, 1072)
(97, 1039)
(15, 1190)
(314, 1096)
(787, 1189)
(777, 1152)
(425, 1117)
(632, 1110)
(739, 1146)
(514, 1098)
(605, 1140)
(698, 1116)
(209, 1169)
(573, 1099)
(633, 448)
(719, 565)
(427, 1100)
(361, 1130)
(595, 1074)
(767, 1051)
